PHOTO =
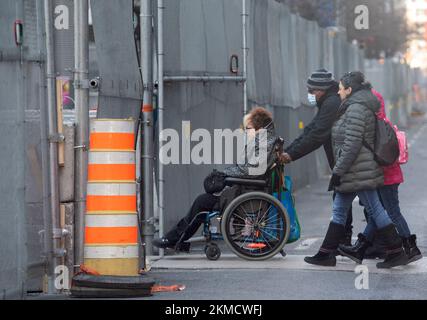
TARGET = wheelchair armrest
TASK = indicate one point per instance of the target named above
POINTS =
(245, 182)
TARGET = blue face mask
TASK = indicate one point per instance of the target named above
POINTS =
(312, 99)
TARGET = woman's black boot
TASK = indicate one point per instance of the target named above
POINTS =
(356, 252)
(392, 243)
(375, 252)
(326, 255)
(411, 249)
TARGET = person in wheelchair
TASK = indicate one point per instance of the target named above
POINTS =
(259, 118)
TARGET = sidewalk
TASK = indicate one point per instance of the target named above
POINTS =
(290, 262)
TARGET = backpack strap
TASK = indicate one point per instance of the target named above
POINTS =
(367, 146)
(364, 142)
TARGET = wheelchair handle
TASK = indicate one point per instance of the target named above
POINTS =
(279, 149)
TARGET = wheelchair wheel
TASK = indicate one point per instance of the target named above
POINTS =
(212, 251)
(255, 226)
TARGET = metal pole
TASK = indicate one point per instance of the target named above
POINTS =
(155, 102)
(147, 132)
(21, 102)
(53, 140)
(245, 58)
(81, 86)
(160, 53)
(203, 78)
(47, 221)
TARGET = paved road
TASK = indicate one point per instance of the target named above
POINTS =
(290, 277)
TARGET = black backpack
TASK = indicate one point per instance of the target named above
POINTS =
(386, 150)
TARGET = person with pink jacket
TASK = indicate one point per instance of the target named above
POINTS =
(389, 196)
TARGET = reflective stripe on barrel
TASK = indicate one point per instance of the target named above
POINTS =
(128, 220)
(108, 252)
(111, 166)
(111, 229)
(111, 198)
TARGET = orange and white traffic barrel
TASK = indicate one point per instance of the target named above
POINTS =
(111, 229)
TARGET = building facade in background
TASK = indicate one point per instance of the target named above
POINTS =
(417, 20)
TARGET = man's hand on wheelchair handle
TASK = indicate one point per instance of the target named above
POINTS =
(285, 158)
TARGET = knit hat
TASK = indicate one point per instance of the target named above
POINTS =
(321, 80)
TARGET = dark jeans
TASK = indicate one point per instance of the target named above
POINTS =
(349, 222)
(372, 203)
(389, 197)
(205, 202)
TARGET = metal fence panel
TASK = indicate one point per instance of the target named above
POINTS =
(21, 213)
(121, 87)
(12, 184)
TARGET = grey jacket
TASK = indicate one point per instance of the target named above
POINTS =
(248, 169)
(354, 163)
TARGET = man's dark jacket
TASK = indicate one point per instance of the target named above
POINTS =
(318, 132)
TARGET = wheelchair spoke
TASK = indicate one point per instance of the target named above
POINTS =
(261, 219)
(248, 216)
(265, 240)
(243, 208)
(270, 235)
(270, 228)
(240, 233)
(259, 209)
(252, 206)
(270, 219)
(246, 239)
(242, 225)
(274, 223)
(248, 222)
(234, 214)
(237, 237)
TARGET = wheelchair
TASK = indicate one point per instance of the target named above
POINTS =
(253, 221)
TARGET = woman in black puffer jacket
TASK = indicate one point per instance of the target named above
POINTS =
(356, 173)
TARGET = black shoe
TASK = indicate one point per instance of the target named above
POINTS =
(163, 243)
(322, 259)
(398, 258)
(356, 252)
(346, 240)
(393, 246)
(375, 252)
(411, 249)
(327, 252)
